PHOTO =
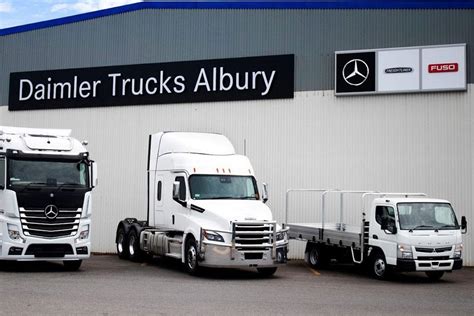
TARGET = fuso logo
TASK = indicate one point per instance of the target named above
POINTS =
(449, 67)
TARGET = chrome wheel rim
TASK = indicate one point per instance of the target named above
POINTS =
(313, 256)
(131, 250)
(120, 243)
(192, 257)
(379, 267)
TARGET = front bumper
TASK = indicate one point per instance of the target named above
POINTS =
(224, 256)
(410, 265)
(39, 249)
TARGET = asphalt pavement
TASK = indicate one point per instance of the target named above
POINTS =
(106, 285)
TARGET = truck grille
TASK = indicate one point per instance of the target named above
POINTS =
(35, 223)
(253, 236)
(431, 250)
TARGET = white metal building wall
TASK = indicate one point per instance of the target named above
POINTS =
(412, 142)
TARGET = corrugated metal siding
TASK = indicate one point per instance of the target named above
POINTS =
(418, 142)
(153, 35)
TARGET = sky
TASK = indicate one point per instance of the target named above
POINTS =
(20, 12)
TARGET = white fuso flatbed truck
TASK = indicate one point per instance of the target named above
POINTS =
(204, 208)
(400, 231)
(46, 179)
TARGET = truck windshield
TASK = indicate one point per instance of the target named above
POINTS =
(428, 216)
(22, 172)
(204, 187)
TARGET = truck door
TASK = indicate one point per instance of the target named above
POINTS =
(179, 211)
(159, 211)
(383, 238)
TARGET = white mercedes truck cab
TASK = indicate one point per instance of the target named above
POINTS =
(404, 232)
(204, 208)
(46, 179)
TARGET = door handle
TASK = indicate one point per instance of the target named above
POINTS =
(375, 237)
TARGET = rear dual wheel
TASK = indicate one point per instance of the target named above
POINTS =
(128, 245)
(314, 255)
(134, 251)
(122, 244)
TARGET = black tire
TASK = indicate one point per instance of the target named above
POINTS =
(434, 275)
(191, 262)
(72, 265)
(314, 256)
(122, 244)
(267, 272)
(134, 251)
(378, 267)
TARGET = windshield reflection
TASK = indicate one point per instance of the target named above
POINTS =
(220, 187)
(427, 216)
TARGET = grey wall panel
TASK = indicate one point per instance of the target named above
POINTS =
(155, 35)
(414, 143)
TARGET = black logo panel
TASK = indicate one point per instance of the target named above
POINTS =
(355, 72)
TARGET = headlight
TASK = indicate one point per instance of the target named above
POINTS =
(84, 233)
(281, 236)
(404, 252)
(14, 233)
(458, 250)
(212, 236)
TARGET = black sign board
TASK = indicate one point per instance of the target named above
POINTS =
(247, 78)
(355, 73)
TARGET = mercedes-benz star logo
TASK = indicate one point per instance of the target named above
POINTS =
(51, 211)
(355, 72)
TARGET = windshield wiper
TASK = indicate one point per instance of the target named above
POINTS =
(421, 226)
(447, 226)
(33, 183)
(247, 198)
(221, 198)
(69, 184)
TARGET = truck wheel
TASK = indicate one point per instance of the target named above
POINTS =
(434, 275)
(378, 266)
(135, 253)
(314, 256)
(191, 257)
(122, 245)
(267, 272)
(72, 265)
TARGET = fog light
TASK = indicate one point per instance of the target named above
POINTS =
(15, 251)
(81, 250)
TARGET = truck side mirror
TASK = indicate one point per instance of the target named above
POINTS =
(176, 197)
(176, 186)
(463, 225)
(389, 225)
(264, 193)
(95, 180)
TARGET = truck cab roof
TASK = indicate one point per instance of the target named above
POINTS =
(20, 140)
(396, 200)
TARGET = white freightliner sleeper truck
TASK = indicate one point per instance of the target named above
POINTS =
(204, 208)
(46, 179)
(398, 231)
